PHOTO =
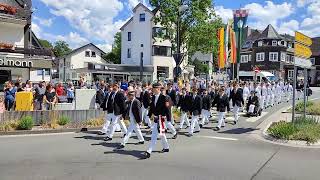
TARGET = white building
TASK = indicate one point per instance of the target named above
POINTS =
(141, 37)
(21, 54)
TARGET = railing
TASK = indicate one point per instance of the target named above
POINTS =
(12, 12)
(10, 48)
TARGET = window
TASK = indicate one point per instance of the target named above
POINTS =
(97, 66)
(47, 72)
(260, 43)
(244, 59)
(288, 59)
(141, 45)
(313, 61)
(283, 56)
(68, 64)
(159, 32)
(290, 74)
(39, 72)
(161, 51)
(290, 45)
(129, 36)
(129, 53)
(292, 59)
(249, 58)
(87, 53)
(260, 57)
(273, 56)
(74, 75)
(142, 17)
(274, 43)
(93, 54)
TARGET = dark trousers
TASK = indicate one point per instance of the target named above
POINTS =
(9, 105)
(70, 100)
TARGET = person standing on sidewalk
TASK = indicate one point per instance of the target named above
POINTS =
(237, 101)
(222, 102)
(134, 112)
(159, 109)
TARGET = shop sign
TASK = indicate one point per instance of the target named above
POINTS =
(15, 63)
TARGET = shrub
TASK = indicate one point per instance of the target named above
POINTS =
(300, 106)
(94, 122)
(309, 133)
(9, 125)
(282, 130)
(63, 120)
(314, 110)
(25, 123)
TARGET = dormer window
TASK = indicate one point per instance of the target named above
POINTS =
(274, 43)
(87, 54)
(93, 54)
(260, 43)
(142, 17)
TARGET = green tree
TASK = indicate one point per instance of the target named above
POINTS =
(45, 43)
(61, 48)
(115, 55)
(198, 23)
(200, 68)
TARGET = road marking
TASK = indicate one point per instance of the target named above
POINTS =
(254, 119)
(33, 135)
(220, 138)
(314, 99)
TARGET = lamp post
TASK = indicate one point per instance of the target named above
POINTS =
(240, 28)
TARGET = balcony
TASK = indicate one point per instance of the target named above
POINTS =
(13, 14)
(10, 48)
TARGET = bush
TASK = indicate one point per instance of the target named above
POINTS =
(98, 122)
(282, 130)
(8, 125)
(300, 106)
(63, 120)
(314, 110)
(25, 123)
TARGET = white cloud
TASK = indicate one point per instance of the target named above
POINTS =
(289, 27)
(105, 47)
(269, 14)
(44, 22)
(95, 19)
(225, 14)
(74, 39)
(302, 3)
(36, 29)
(310, 25)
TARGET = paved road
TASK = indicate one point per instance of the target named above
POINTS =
(228, 154)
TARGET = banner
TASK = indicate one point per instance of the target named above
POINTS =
(233, 56)
(221, 62)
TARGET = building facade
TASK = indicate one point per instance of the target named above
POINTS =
(315, 60)
(144, 41)
(21, 54)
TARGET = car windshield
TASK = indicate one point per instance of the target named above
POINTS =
(271, 78)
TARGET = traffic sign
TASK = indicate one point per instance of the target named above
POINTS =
(302, 62)
(302, 51)
(303, 39)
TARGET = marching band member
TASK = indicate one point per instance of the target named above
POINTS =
(195, 110)
(168, 122)
(134, 112)
(206, 106)
(289, 90)
(237, 101)
(118, 109)
(269, 94)
(173, 95)
(273, 93)
(159, 108)
(263, 96)
(146, 99)
(107, 108)
(222, 102)
(278, 94)
(246, 92)
(184, 103)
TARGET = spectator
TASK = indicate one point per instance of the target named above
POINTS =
(50, 97)
(2, 106)
(124, 86)
(10, 94)
(70, 92)
(38, 96)
(29, 86)
(18, 85)
(59, 91)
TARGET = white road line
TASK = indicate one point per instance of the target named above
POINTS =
(254, 119)
(314, 99)
(220, 138)
(33, 135)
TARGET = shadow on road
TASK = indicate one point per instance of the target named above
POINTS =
(238, 131)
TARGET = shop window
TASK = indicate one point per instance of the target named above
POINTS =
(47, 72)
(39, 72)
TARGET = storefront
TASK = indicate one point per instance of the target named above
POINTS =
(25, 68)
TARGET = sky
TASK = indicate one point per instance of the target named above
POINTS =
(79, 22)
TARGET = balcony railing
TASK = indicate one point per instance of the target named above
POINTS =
(11, 12)
(33, 51)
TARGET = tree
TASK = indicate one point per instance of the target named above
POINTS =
(198, 23)
(45, 43)
(115, 54)
(61, 48)
(200, 68)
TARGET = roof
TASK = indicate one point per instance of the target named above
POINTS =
(315, 47)
(134, 10)
(288, 37)
(90, 44)
(270, 33)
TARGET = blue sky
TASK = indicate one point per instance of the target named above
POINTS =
(82, 21)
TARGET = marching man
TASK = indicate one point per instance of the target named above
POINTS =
(278, 94)
(264, 94)
(222, 102)
(237, 101)
(134, 111)
(184, 103)
(269, 94)
(146, 98)
(195, 110)
(206, 106)
(159, 108)
(289, 90)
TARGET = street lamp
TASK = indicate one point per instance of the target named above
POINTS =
(178, 55)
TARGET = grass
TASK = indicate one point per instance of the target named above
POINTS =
(9, 125)
(307, 129)
(312, 108)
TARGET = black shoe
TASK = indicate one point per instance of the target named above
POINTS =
(146, 155)
(124, 135)
(200, 125)
(121, 146)
(175, 136)
(101, 133)
(206, 123)
(222, 126)
(235, 122)
(107, 139)
(196, 131)
(165, 150)
(189, 135)
(216, 129)
(187, 127)
(141, 142)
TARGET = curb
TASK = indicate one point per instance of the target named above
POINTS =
(48, 131)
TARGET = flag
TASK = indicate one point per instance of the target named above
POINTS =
(233, 57)
(221, 62)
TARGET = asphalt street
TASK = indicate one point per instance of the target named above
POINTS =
(230, 154)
